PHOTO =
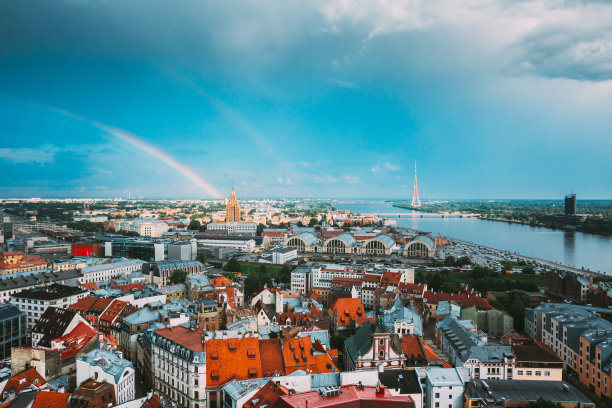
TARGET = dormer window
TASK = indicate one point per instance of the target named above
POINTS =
(214, 355)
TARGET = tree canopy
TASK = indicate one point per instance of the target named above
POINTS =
(178, 276)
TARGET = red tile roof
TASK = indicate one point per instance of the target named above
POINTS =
(23, 380)
(76, 339)
(412, 288)
(228, 359)
(391, 278)
(48, 399)
(89, 285)
(412, 349)
(221, 282)
(186, 337)
(153, 402)
(350, 396)
(463, 299)
(128, 288)
(24, 261)
(267, 396)
(117, 309)
(272, 362)
(229, 294)
(347, 310)
(299, 354)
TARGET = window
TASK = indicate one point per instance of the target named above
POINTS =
(538, 373)
(437, 395)
(546, 373)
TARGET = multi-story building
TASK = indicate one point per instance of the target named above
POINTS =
(443, 387)
(13, 262)
(13, 326)
(536, 361)
(232, 210)
(159, 272)
(300, 280)
(146, 249)
(273, 236)
(521, 393)
(179, 365)
(579, 337)
(495, 322)
(237, 243)
(467, 347)
(104, 365)
(11, 285)
(35, 301)
(107, 271)
(284, 255)
(230, 228)
(143, 227)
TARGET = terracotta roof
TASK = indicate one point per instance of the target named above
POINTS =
(272, 362)
(391, 278)
(299, 354)
(229, 295)
(465, 300)
(221, 282)
(117, 308)
(190, 339)
(90, 305)
(153, 402)
(48, 399)
(23, 380)
(76, 339)
(348, 310)
(350, 396)
(25, 261)
(128, 288)
(228, 359)
(412, 288)
(412, 349)
(89, 285)
(267, 396)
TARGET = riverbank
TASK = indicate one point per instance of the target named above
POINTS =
(551, 225)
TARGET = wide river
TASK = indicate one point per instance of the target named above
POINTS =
(575, 249)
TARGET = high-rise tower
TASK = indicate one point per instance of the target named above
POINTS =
(415, 195)
(232, 211)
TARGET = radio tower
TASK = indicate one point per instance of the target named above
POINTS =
(415, 196)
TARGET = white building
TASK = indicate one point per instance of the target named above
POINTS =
(36, 300)
(322, 275)
(238, 244)
(284, 255)
(143, 227)
(244, 228)
(103, 365)
(442, 387)
(178, 360)
(300, 280)
(105, 272)
(467, 347)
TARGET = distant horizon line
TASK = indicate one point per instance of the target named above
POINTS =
(378, 199)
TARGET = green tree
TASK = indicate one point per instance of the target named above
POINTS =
(201, 257)
(285, 274)
(232, 265)
(260, 228)
(178, 276)
(300, 224)
(449, 261)
(194, 225)
(449, 287)
(313, 221)
(436, 282)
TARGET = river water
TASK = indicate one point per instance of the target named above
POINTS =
(575, 249)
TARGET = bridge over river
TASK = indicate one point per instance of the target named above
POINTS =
(425, 215)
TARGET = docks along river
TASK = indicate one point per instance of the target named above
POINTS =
(575, 249)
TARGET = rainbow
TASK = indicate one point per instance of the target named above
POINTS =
(155, 152)
(145, 147)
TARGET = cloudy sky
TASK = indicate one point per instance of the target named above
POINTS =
(492, 98)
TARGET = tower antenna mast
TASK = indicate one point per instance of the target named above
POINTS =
(415, 195)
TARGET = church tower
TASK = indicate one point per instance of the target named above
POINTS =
(232, 211)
